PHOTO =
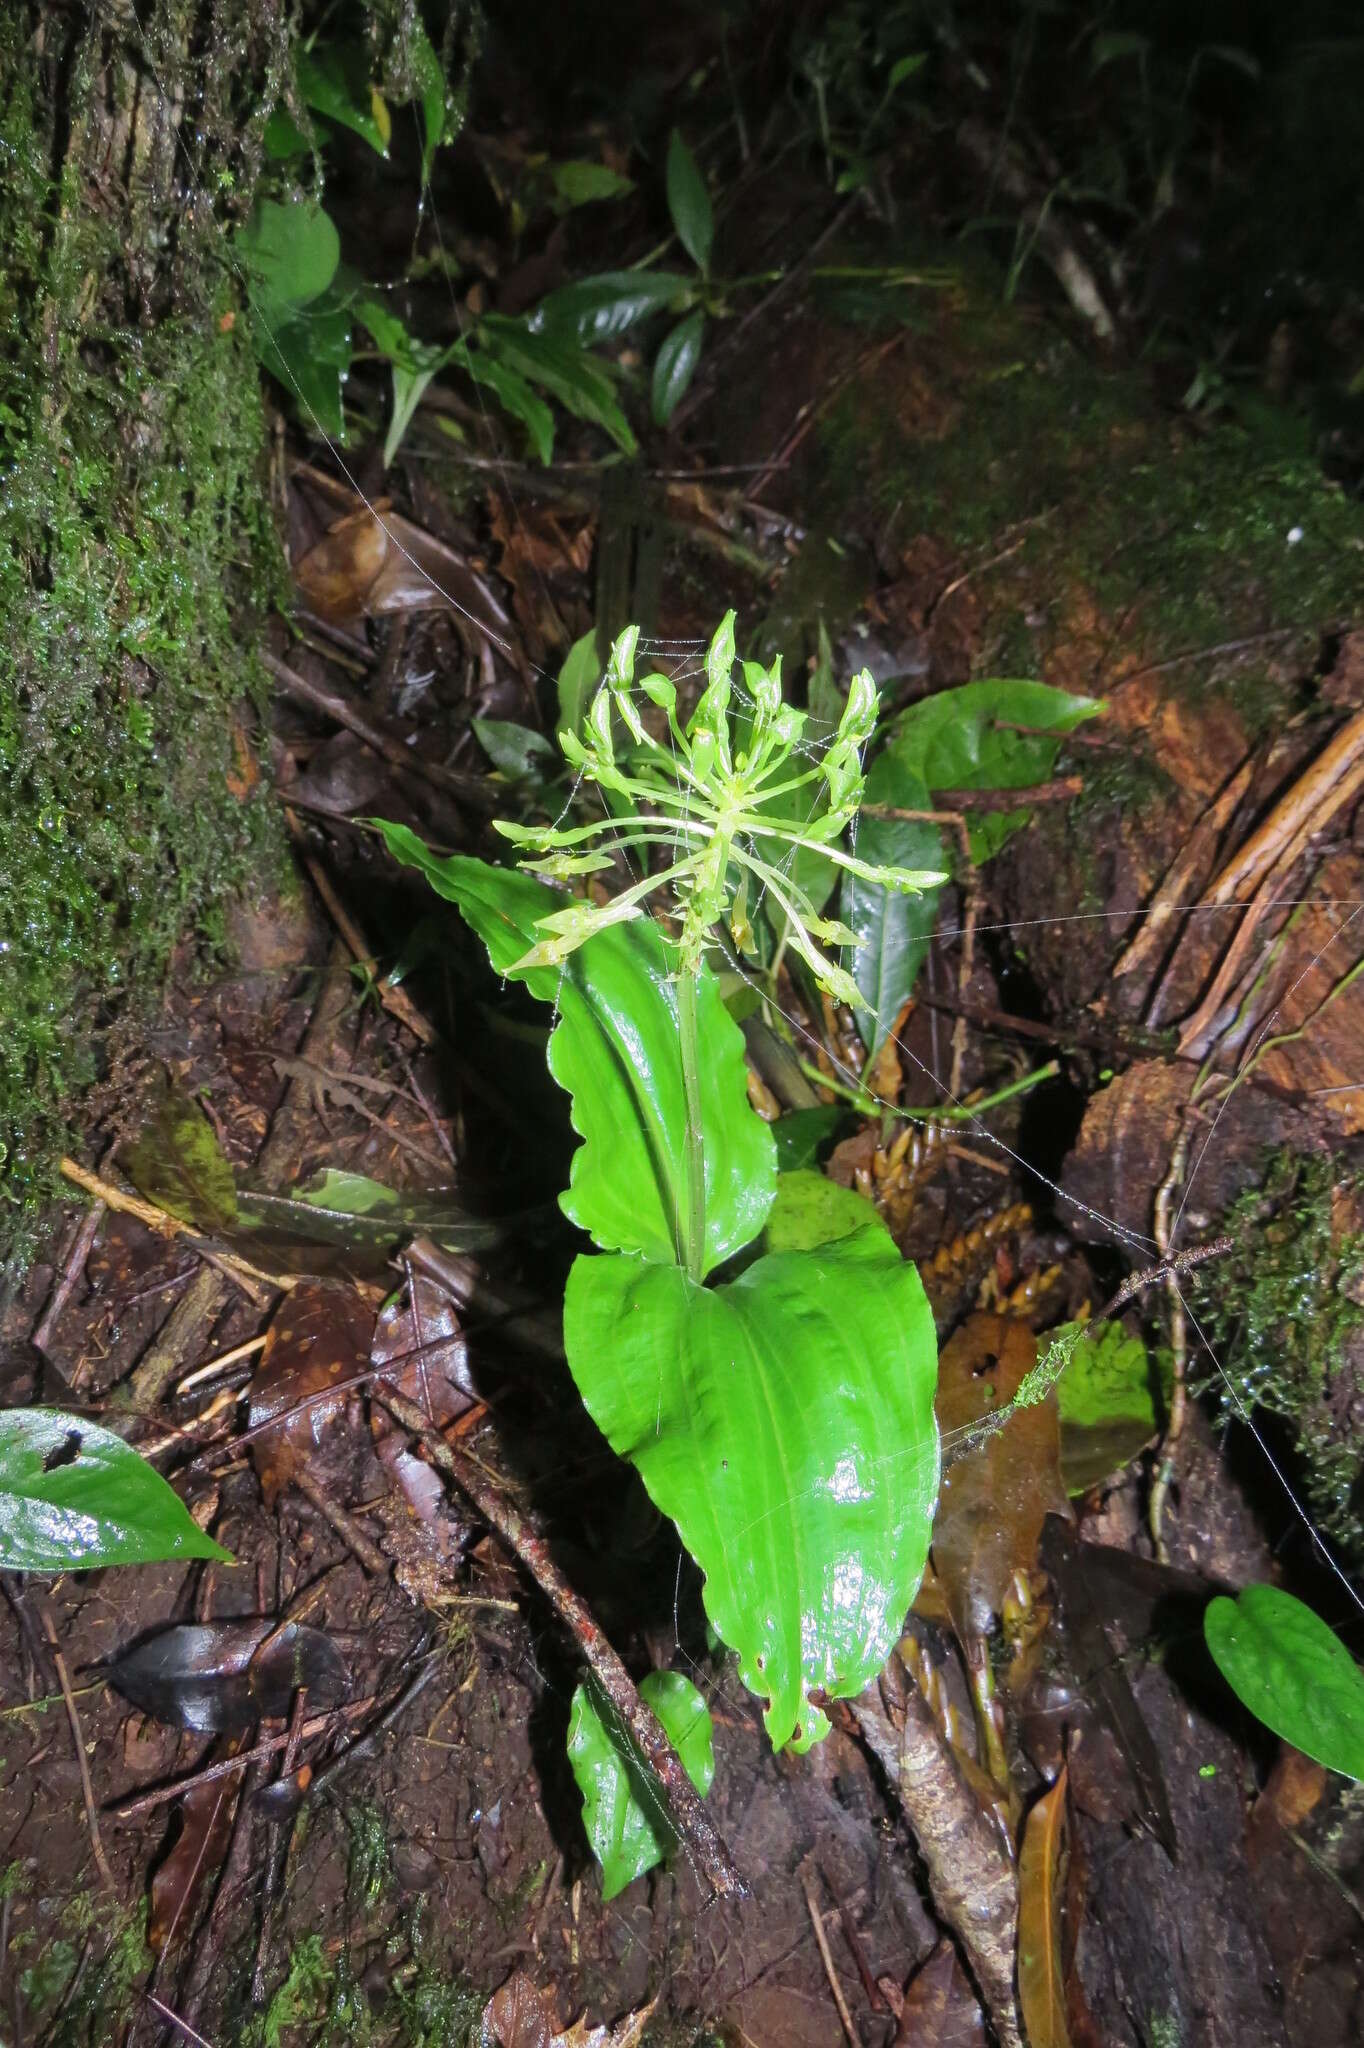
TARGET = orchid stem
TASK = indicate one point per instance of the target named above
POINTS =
(694, 1220)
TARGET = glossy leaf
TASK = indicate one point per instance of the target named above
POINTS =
(675, 365)
(290, 250)
(1293, 1672)
(429, 78)
(177, 1162)
(360, 1214)
(785, 1423)
(218, 1676)
(578, 680)
(1041, 1893)
(894, 928)
(334, 80)
(514, 395)
(800, 1133)
(689, 203)
(623, 1812)
(74, 1496)
(996, 1496)
(1107, 1399)
(602, 308)
(966, 739)
(614, 1048)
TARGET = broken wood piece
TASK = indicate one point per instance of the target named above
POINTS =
(689, 1816)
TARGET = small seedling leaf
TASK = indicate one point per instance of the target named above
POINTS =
(624, 1813)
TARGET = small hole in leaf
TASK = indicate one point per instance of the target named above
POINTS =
(64, 1453)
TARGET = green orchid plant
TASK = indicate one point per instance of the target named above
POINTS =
(780, 1412)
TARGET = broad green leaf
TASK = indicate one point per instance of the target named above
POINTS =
(336, 1207)
(894, 929)
(626, 1820)
(177, 1162)
(604, 307)
(811, 1210)
(579, 183)
(74, 1496)
(290, 250)
(561, 367)
(785, 1424)
(578, 679)
(335, 81)
(966, 739)
(801, 1132)
(614, 1048)
(689, 203)
(515, 396)
(675, 365)
(310, 354)
(1293, 1672)
(516, 751)
(1107, 1397)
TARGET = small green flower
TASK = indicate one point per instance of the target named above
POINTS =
(705, 803)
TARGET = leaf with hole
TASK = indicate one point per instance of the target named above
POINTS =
(623, 1811)
(614, 1048)
(689, 203)
(74, 1497)
(1293, 1672)
(785, 1423)
(675, 365)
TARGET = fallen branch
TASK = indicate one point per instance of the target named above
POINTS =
(689, 1816)
(475, 790)
(254, 1284)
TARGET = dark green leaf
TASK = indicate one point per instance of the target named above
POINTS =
(675, 365)
(177, 1162)
(74, 1496)
(516, 751)
(310, 354)
(689, 203)
(335, 81)
(801, 1132)
(602, 308)
(563, 368)
(290, 250)
(785, 1424)
(626, 1820)
(283, 136)
(578, 680)
(615, 1049)
(965, 739)
(895, 929)
(578, 183)
(1293, 1672)
(515, 396)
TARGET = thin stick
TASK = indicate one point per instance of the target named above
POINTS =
(345, 1525)
(73, 1716)
(72, 1267)
(822, 1940)
(249, 1278)
(212, 1366)
(688, 1814)
(268, 1746)
(395, 1000)
(173, 2019)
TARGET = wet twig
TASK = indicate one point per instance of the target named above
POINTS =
(689, 1816)
(854, 2039)
(78, 1738)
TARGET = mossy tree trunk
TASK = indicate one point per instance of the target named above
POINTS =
(135, 534)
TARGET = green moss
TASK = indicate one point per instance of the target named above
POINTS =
(135, 544)
(1171, 539)
(79, 1990)
(1282, 1317)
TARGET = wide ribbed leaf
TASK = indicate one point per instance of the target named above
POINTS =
(615, 1049)
(785, 1423)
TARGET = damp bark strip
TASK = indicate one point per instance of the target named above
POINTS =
(689, 1816)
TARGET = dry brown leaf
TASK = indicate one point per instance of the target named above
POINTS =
(939, 2009)
(205, 1831)
(320, 1338)
(995, 1498)
(518, 2016)
(422, 1333)
(1041, 1890)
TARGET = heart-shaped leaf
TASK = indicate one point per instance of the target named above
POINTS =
(1293, 1672)
(625, 1818)
(615, 1049)
(785, 1424)
(73, 1496)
